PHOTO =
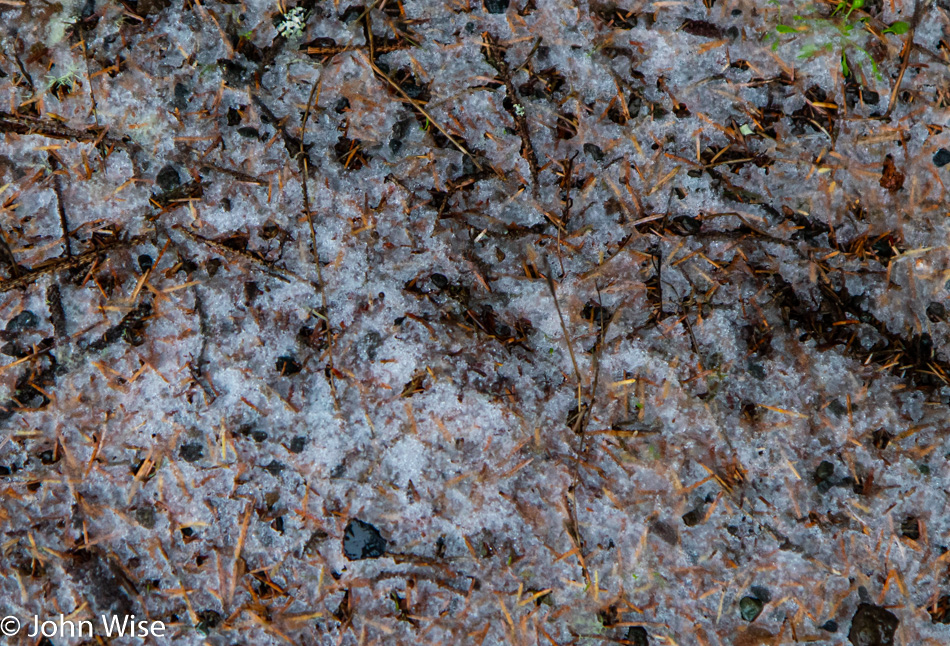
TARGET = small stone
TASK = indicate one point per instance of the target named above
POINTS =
(145, 262)
(145, 516)
(168, 178)
(440, 281)
(297, 444)
(496, 6)
(830, 626)
(692, 518)
(181, 96)
(665, 531)
(287, 366)
(942, 158)
(191, 452)
(362, 541)
(258, 436)
(274, 468)
(637, 636)
(873, 626)
(594, 151)
(824, 476)
(761, 593)
(756, 370)
(23, 321)
(750, 608)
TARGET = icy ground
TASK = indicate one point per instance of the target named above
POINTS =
(738, 434)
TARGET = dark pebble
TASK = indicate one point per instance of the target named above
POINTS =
(824, 476)
(750, 608)
(439, 281)
(274, 468)
(287, 366)
(259, 436)
(297, 444)
(168, 178)
(637, 636)
(362, 541)
(873, 626)
(191, 452)
(181, 96)
(692, 518)
(496, 6)
(942, 158)
(761, 593)
(145, 516)
(594, 151)
(756, 370)
(145, 262)
(830, 626)
(23, 321)
(665, 531)
(400, 131)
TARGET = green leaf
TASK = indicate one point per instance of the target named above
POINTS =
(745, 130)
(898, 28)
(785, 29)
(808, 50)
(844, 65)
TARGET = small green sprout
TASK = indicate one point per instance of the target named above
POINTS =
(837, 33)
(899, 28)
(63, 84)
